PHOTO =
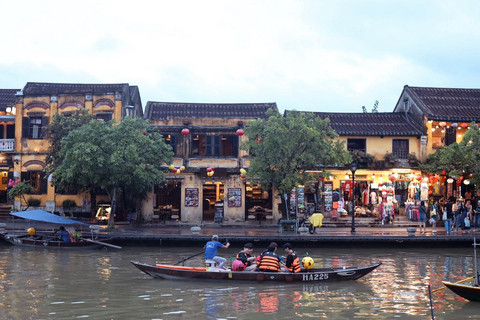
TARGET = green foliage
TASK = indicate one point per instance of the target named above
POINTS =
(20, 190)
(361, 157)
(33, 202)
(68, 203)
(282, 148)
(112, 156)
(458, 159)
(389, 157)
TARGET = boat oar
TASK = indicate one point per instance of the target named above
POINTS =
(197, 254)
(102, 243)
(461, 281)
(185, 259)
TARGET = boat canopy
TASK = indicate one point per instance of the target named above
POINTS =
(44, 216)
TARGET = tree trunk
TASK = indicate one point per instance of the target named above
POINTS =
(111, 217)
(93, 204)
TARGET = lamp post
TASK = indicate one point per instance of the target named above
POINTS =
(353, 168)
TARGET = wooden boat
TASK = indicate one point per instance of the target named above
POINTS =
(469, 292)
(313, 275)
(33, 240)
(45, 242)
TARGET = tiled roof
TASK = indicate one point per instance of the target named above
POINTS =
(40, 88)
(164, 110)
(7, 98)
(447, 103)
(371, 124)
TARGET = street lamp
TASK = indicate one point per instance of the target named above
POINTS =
(353, 168)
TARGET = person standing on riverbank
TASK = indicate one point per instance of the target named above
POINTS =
(211, 250)
(422, 219)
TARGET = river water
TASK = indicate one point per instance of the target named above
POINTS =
(102, 284)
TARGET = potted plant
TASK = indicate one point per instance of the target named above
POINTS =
(412, 158)
(362, 158)
(389, 157)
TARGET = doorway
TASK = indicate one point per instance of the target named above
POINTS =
(212, 193)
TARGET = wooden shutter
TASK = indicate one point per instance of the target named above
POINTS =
(235, 146)
(208, 145)
(44, 131)
(43, 183)
(26, 127)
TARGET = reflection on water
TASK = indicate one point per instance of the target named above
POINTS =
(102, 284)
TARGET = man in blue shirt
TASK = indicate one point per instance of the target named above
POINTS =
(64, 235)
(211, 249)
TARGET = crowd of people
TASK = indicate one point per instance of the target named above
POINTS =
(267, 261)
(457, 214)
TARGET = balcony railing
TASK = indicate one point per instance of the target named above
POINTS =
(7, 144)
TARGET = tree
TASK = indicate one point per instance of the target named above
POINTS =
(113, 157)
(19, 190)
(283, 148)
(458, 159)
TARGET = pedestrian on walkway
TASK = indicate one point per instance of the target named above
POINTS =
(434, 212)
(422, 219)
(448, 222)
(477, 216)
(211, 250)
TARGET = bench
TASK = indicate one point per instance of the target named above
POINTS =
(290, 225)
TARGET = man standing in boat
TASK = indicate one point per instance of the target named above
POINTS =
(211, 250)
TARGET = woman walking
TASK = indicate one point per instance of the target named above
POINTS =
(422, 219)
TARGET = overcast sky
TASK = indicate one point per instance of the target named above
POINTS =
(305, 55)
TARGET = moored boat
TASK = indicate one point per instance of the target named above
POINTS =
(45, 242)
(469, 292)
(313, 275)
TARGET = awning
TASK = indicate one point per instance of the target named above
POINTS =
(44, 216)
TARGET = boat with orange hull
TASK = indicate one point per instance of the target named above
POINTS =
(173, 272)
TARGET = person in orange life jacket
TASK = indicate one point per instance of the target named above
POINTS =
(211, 249)
(272, 244)
(245, 256)
(292, 262)
(269, 261)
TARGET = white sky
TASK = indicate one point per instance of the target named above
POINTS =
(317, 55)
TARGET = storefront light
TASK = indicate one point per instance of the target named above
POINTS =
(347, 177)
(450, 180)
(466, 182)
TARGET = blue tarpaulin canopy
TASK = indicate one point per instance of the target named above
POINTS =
(44, 216)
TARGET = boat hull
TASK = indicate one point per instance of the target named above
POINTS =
(468, 292)
(39, 242)
(313, 275)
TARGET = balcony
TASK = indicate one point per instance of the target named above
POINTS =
(7, 145)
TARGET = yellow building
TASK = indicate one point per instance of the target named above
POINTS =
(35, 106)
(203, 136)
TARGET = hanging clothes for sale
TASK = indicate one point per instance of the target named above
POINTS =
(424, 191)
(373, 197)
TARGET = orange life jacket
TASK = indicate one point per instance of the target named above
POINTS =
(295, 266)
(269, 262)
(246, 256)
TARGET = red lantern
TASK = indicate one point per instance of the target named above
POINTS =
(443, 173)
(463, 124)
(242, 176)
(240, 132)
(419, 177)
(392, 177)
(144, 133)
(209, 169)
(185, 131)
(434, 180)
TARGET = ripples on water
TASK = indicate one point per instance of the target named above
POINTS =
(102, 284)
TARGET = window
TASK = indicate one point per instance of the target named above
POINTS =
(357, 145)
(34, 127)
(171, 140)
(217, 145)
(400, 148)
(36, 180)
(104, 116)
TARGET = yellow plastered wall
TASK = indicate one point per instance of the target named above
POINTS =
(378, 146)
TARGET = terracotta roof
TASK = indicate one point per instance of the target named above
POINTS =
(371, 124)
(41, 88)
(7, 98)
(447, 103)
(164, 110)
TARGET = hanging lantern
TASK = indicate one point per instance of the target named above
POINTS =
(466, 182)
(240, 132)
(144, 133)
(464, 124)
(419, 177)
(449, 180)
(242, 176)
(444, 173)
(392, 177)
(435, 180)
(177, 171)
(454, 125)
(243, 171)
(209, 169)
(442, 124)
(185, 131)
(171, 167)
(182, 168)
